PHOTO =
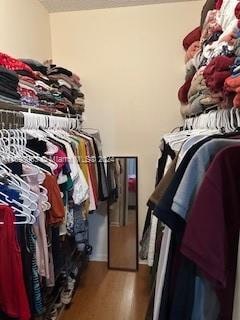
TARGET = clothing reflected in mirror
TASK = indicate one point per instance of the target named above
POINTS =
(123, 213)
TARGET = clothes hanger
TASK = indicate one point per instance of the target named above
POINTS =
(22, 214)
(11, 145)
(38, 169)
(89, 129)
(16, 134)
(53, 147)
(61, 134)
(24, 158)
(19, 136)
(230, 120)
(218, 119)
(29, 217)
(234, 119)
(34, 167)
(26, 200)
(226, 127)
(13, 201)
(51, 163)
(238, 118)
(23, 139)
(212, 120)
(11, 138)
(26, 153)
(45, 205)
(15, 180)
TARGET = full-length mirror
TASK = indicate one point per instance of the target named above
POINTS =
(123, 213)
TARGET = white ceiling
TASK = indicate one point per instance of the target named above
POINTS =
(75, 5)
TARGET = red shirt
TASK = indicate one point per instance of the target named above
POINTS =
(13, 297)
(212, 232)
(14, 64)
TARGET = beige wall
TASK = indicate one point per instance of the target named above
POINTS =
(25, 29)
(131, 64)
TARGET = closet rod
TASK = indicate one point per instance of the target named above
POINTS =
(18, 108)
(221, 119)
(18, 119)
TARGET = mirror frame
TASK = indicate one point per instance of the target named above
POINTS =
(137, 221)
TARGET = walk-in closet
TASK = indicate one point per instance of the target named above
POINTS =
(119, 159)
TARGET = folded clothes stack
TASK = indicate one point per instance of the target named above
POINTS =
(212, 70)
(69, 85)
(25, 75)
(27, 91)
(8, 86)
(33, 84)
(57, 88)
(48, 96)
(41, 84)
(217, 71)
(199, 95)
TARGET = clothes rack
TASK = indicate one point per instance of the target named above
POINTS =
(19, 117)
(221, 119)
(16, 107)
(44, 156)
(36, 121)
(190, 211)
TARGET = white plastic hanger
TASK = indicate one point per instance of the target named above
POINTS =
(238, 117)
(29, 218)
(22, 215)
(13, 201)
(15, 180)
(27, 201)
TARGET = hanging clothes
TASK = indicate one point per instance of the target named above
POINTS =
(48, 197)
(13, 297)
(151, 223)
(182, 288)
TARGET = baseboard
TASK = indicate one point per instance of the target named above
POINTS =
(100, 258)
(103, 258)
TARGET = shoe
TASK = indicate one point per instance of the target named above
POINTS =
(53, 314)
(71, 283)
(74, 272)
(66, 296)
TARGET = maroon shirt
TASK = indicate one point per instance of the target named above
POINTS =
(212, 232)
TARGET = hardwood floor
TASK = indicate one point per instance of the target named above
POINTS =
(110, 295)
(122, 244)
